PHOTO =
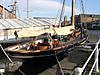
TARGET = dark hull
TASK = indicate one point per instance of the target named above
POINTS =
(35, 66)
(37, 55)
(48, 53)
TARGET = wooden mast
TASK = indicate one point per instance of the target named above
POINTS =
(72, 19)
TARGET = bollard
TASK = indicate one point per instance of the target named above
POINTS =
(78, 71)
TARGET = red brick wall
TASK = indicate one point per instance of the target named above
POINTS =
(8, 14)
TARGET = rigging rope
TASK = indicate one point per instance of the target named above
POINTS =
(62, 12)
(61, 7)
(58, 13)
(82, 6)
(21, 72)
(83, 13)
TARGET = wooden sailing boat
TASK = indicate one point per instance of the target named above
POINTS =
(46, 44)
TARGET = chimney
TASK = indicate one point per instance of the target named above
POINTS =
(65, 18)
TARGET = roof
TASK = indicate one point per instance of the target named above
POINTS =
(25, 23)
(91, 15)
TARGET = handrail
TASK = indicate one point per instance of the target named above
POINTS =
(78, 70)
(89, 58)
(92, 67)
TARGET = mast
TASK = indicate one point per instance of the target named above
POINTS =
(72, 20)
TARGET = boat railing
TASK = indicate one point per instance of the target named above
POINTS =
(95, 68)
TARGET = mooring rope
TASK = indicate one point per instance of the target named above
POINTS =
(6, 54)
(59, 64)
(1, 73)
(21, 72)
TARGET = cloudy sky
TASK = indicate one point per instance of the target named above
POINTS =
(45, 8)
(49, 8)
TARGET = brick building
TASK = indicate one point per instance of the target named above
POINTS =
(7, 14)
(91, 21)
(85, 18)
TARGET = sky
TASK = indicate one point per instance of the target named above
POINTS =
(49, 8)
